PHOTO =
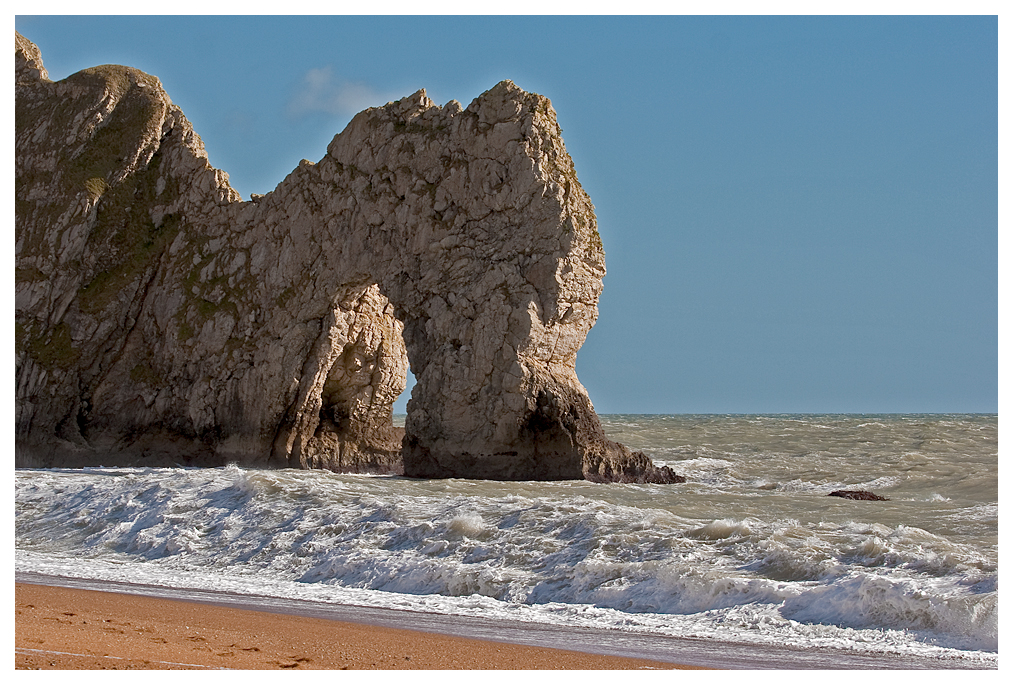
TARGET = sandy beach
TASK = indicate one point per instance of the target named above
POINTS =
(62, 628)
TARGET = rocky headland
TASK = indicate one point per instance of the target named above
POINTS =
(162, 320)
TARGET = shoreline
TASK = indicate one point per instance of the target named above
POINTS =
(651, 651)
(69, 628)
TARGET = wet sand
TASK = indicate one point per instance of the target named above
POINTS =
(63, 628)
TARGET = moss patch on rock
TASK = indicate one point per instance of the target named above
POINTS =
(52, 349)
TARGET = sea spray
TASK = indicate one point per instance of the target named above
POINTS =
(724, 555)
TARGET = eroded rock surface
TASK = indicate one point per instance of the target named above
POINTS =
(162, 320)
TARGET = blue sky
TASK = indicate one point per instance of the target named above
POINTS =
(800, 214)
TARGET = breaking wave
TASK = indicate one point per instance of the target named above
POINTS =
(559, 552)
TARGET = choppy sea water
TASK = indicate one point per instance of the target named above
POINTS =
(750, 550)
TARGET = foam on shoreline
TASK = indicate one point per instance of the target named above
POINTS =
(677, 652)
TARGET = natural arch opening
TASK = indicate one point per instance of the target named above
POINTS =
(400, 410)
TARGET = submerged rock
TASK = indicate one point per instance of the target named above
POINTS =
(858, 494)
(162, 320)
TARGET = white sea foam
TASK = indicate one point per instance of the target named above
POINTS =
(790, 566)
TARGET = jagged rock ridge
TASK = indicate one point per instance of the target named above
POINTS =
(162, 320)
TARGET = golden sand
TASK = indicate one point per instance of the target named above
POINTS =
(61, 628)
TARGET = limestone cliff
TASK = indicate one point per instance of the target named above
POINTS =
(162, 320)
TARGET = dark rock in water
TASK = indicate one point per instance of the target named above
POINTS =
(667, 476)
(629, 467)
(858, 494)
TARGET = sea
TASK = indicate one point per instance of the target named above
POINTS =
(749, 555)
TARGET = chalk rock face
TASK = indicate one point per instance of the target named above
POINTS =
(162, 320)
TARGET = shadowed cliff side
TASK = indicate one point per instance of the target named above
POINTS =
(162, 320)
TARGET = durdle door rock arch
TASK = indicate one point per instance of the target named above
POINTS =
(162, 320)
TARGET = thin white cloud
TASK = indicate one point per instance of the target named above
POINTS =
(321, 91)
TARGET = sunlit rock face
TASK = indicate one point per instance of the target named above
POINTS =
(162, 320)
